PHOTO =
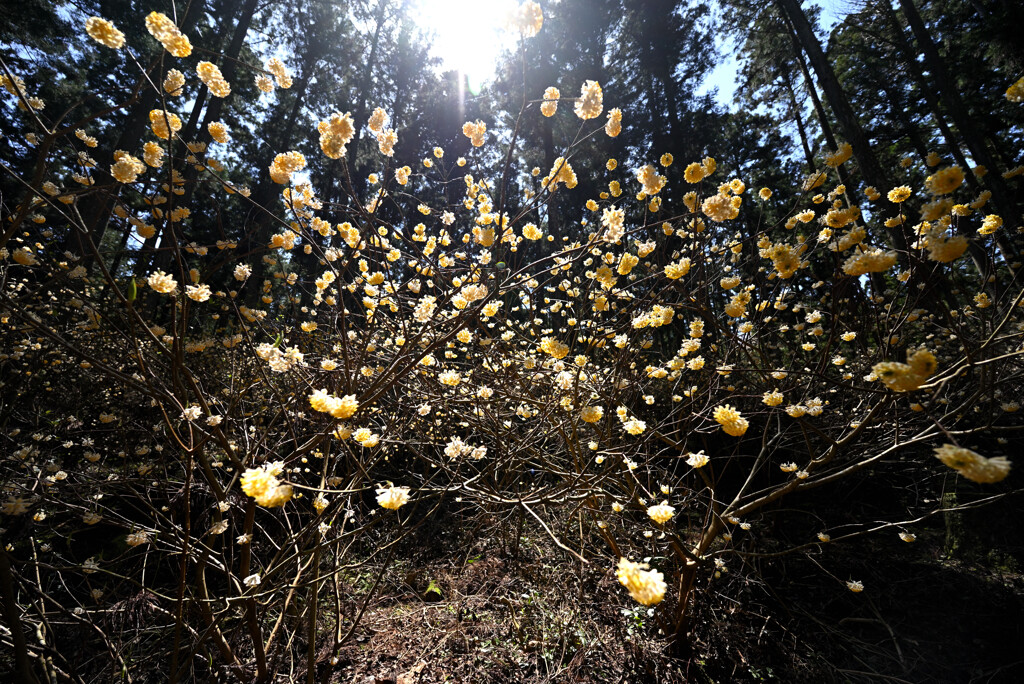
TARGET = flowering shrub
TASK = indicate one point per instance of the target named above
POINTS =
(419, 351)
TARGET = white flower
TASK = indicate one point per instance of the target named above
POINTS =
(137, 538)
(697, 460)
(252, 580)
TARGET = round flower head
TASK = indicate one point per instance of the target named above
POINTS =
(210, 75)
(550, 104)
(164, 30)
(475, 131)
(285, 165)
(126, 168)
(661, 513)
(614, 124)
(262, 485)
(944, 181)
(218, 131)
(162, 283)
(174, 82)
(840, 156)
(591, 101)
(102, 31)
(731, 421)
(900, 194)
(645, 586)
(528, 19)
(392, 497)
(1015, 93)
(164, 124)
(335, 134)
(972, 465)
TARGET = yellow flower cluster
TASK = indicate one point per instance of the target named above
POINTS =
(613, 126)
(785, 258)
(126, 168)
(661, 513)
(696, 172)
(558, 350)
(164, 30)
(972, 465)
(198, 293)
(475, 131)
(335, 134)
(218, 131)
(386, 141)
(102, 31)
(174, 81)
(527, 18)
(532, 232)
(813, 181)
(900, 194)
(721, 207)
(869, 261)
(677, 270)
(941, 245)
(392, 497)
(591, 414)
(990, 224)
(731, 421)
(645, 586)
(906, 377)
(1015, 93)
(944, 181)
(651, 180)
(339, 407)
(214, 80)
(164, 124)
(450, 378)
(377, 120)
(591, 101)
(550, 104)
(737, 306)
(561, 172)
(840, 156)
(285, 164)
(281, 75)
(162, 283)
(263, 485)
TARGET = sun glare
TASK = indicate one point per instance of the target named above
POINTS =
(468, 35)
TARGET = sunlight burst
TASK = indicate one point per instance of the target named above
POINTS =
(468, 35)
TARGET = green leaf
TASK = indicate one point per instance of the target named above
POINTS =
(434, 588)
(133, 290)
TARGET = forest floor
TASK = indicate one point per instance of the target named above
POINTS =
(490, 617)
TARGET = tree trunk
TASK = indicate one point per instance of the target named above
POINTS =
(136, 123)
(799, 118)
(955, 106)
(870, 169)
(362, 89)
